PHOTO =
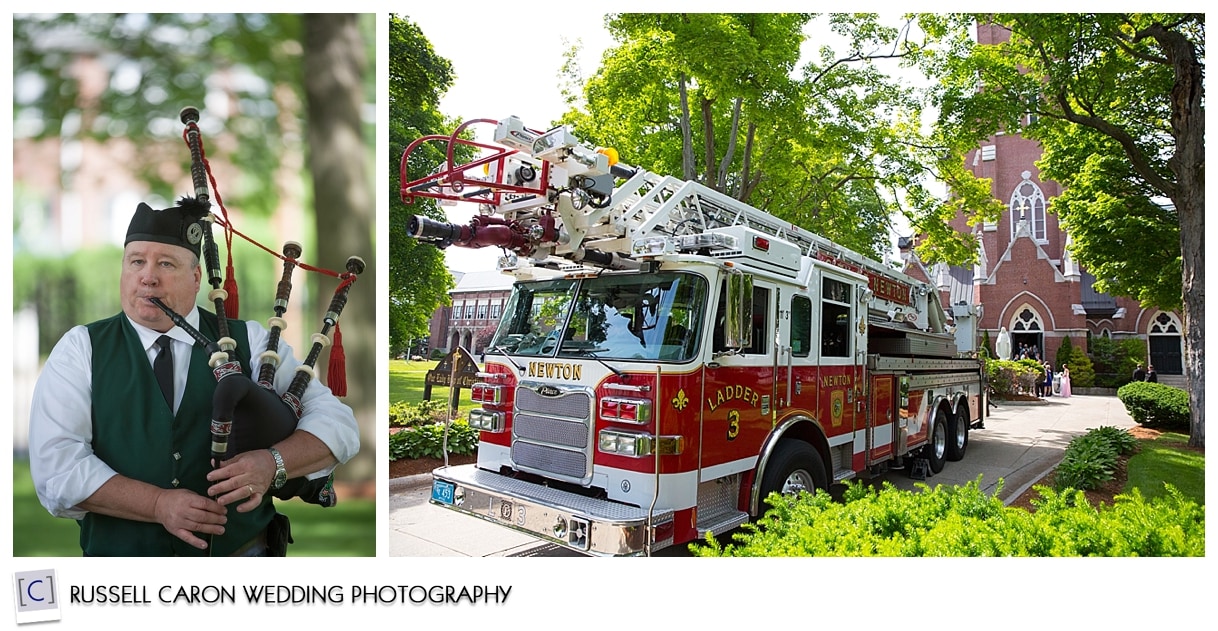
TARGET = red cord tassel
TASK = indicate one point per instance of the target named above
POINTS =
(336, 374)
(230, 286)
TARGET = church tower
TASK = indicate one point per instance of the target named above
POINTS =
(1025, 280)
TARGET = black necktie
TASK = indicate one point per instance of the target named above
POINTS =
(162, 366)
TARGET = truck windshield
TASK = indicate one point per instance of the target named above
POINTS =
(653, 317)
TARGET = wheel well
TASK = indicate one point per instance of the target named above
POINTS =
(947, 408)
(802, 429)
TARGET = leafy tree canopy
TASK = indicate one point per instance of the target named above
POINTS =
(834, 145)
(419, 281)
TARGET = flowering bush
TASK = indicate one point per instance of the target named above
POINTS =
(1009, 377)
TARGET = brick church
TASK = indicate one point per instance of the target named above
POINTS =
(1025, 280)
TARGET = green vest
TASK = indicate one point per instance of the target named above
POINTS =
(136, 433)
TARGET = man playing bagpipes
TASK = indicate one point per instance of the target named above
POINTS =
(123, 432)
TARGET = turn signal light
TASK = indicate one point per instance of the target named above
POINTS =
(625, 410)
(486, 393)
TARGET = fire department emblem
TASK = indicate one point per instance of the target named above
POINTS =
(837, 404)
(680, 401)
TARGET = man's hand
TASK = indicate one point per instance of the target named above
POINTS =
(184, 513)
(245, 478)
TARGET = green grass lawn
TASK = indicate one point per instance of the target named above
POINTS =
(346, 530)
(1167, 459)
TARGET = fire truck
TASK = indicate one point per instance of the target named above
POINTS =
(670, 356)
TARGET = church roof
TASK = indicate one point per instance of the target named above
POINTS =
(1097, 305)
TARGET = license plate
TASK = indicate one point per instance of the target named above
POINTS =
(442, 491)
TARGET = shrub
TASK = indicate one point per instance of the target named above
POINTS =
(437, 353)
(1114, 360)
(964, 521)
(403, 414)
(1008, 377)
(1090, 460)
(1156, 405)
(427, 441)
(1082, 374)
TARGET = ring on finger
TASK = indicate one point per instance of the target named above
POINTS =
(250, 487)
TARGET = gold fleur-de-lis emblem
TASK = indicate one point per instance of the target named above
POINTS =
(680, 401)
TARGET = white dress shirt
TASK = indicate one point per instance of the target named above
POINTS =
(66, 471)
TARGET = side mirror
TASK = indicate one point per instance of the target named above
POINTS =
(738, 329)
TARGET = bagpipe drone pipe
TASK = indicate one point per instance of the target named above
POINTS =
(250, 415)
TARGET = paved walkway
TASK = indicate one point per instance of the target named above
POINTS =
(1020, 444)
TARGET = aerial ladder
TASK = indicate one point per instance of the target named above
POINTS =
(555, 201)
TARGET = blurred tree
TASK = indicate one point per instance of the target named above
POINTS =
(272, 89)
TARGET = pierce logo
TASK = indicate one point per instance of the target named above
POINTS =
(36, 596)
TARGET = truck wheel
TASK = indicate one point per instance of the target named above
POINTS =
(957, 436)
(936, 450)
(795, 466)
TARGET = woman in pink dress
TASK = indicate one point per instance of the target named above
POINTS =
(1064, 380)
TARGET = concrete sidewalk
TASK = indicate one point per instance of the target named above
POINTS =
(1021, 442)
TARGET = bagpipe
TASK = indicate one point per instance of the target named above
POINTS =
(249, 415)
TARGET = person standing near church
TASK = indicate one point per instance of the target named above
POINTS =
(1063, 380)
(1138, 373)
(120, 435)
(1151, 375)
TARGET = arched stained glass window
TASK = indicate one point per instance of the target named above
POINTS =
(1028, 203)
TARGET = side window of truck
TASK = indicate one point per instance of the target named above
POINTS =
(801, 326)
(761, 317)
(835, 319)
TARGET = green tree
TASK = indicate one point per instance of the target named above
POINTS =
(1064, 352)
(297, 86)
(418, 279)
(1118, 102)
(834, 146)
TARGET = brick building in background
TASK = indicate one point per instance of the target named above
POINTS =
(477, 304)
(1025, 279)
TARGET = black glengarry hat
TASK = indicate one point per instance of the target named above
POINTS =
(177, 225)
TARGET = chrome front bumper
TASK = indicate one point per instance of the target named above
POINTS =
(593, 526)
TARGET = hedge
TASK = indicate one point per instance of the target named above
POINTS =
(964, 521)
(1156, 405)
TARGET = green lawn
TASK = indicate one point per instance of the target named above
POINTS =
(346, 530)
(1167, 459)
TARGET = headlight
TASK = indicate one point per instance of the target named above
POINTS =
(486, 420)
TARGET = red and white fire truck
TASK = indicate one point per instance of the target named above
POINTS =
(670, 356)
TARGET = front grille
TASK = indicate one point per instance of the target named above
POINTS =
(552, 435)
(551, 461)
(574, 404)
(551, 430)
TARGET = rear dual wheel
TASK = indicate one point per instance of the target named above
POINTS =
(957, 434)
(935, 451)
